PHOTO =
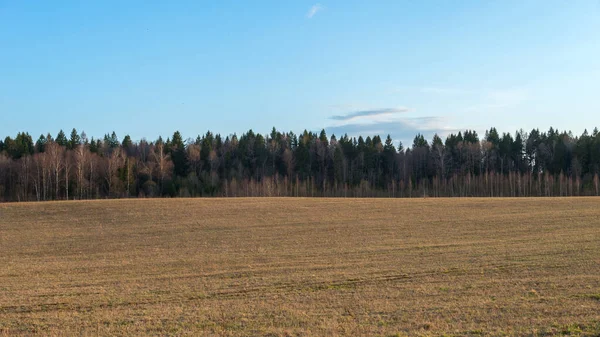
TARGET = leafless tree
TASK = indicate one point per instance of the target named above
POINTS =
(112, 164)
(193, 152)
(81, 159)
(288, 159)
(93, 165)
(37, 175)
(163, 163)
(55, 157)
(68, 167)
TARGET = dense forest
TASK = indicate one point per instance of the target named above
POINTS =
(537, 163)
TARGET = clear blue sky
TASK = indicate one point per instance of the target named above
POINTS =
(148, 68)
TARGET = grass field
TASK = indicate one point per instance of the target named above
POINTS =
(301, 267)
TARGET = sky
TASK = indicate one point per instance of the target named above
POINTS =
(148, 68)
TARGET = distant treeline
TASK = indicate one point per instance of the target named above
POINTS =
(537, 163)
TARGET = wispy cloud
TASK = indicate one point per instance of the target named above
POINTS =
(374, 113)
(403, 130)
(383, 121)
(314, 10)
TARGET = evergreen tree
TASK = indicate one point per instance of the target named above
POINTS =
(179, 155)
(40, 144)
(21, 146)
(74, 141)
(94, 148)
(112, 141)
(536, 163)
(61, 139)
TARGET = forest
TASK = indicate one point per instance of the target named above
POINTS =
(535, 163)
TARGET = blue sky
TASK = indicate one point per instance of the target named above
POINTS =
(148, 68)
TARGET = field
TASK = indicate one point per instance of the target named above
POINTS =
(301, 267)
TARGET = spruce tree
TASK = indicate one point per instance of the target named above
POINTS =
(93, 146)
(40, 144)
(74, 141)
(179, 155)
(61, 139)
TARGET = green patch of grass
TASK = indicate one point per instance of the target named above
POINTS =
(572, 330)
(594, 296)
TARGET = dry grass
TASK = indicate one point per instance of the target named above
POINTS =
(301, 267)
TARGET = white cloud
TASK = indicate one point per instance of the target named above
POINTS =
(400, 129)
(369, 116)
(314, 10)
(399, 122)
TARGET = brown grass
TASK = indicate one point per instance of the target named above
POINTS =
(301, 267)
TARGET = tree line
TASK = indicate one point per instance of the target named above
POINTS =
(534, 163)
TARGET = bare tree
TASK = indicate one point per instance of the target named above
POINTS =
(55, 158)
(92, 164)
(37, 175)
(193, 152)
(112, 164)
(68, 166)
(46, 177)
(81, 159)
(24, 175)
(288, 159)
(163, 163)
(128, 174)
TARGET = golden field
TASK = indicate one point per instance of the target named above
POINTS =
(301, 267)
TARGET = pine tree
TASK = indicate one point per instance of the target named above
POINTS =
(74, 141)
(40, 144)
(179, 155)
(127, 142)
(113, 141)
(21, 146)
(94, 146)
(61, 139)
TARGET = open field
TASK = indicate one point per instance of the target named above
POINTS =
(301, 267)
